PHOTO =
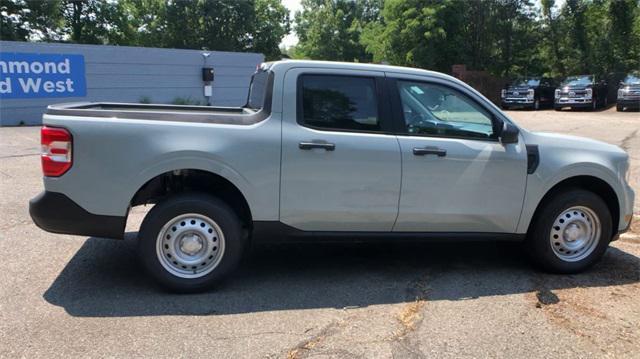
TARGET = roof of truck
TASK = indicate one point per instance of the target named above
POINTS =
(286, 64)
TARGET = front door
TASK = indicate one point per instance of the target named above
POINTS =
(341, 167)
(457, 176)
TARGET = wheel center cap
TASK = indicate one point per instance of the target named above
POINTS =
(572, 232)
(191, 244)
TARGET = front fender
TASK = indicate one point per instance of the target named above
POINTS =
(544, 180)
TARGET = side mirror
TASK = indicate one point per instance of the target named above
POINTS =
(509, 133)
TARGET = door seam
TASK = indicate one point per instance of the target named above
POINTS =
(400, 189)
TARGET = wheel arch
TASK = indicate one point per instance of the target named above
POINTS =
(186, 180)
(586, 182)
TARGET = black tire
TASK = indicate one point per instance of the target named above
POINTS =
(505, 107)
(558, 108)
(619, 108)
(536, 105)
(594, 104)
(538, 243)
(201, 204)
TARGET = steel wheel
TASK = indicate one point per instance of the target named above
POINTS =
(575, 233)
(190, 245)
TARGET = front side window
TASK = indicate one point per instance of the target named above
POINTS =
(431, 109)
(339, 103)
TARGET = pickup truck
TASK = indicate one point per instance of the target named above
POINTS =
(528, 92)
(583, 91)
(629, 92)
(330, 152)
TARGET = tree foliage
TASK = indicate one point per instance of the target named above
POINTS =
(505, 37)
(225, 25)
(331, 29)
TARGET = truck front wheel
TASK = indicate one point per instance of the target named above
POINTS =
(571, 232)
(189, 242)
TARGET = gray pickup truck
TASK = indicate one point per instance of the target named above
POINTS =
(330, 152)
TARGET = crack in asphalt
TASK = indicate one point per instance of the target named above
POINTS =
(410, 318)
(625, 144)
(302, 349)
(251, 335)
(20, 155)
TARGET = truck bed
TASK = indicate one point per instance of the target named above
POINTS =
(160, 112)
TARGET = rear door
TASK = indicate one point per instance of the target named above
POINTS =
(457, 176)
(341, 166)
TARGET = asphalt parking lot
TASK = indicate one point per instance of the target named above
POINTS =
(64, 296)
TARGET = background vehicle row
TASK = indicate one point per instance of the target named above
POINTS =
(582, 91)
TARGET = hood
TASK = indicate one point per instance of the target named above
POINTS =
(519, 88)
(556, 140)
(633, 86)
(575, 87)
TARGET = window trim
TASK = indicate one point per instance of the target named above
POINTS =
(383, 105)
(400, 122)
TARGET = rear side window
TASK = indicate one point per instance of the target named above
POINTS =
(338, 103)
(258, 89)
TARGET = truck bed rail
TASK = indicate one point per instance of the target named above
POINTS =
(161, 112)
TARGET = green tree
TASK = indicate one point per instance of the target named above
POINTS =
(28, 20)
(625, 43)
(551, 33)
(12, 14)
(224, 25)
(516, 36)
(579, 47)
(331, 29)
(421, 33)
(495, 35)
(272, 25)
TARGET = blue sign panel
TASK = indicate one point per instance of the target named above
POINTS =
(24, 75)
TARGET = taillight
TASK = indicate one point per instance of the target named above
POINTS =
(56, 151)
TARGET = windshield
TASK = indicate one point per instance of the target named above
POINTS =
(257, 89)
(523, 81)
(632, 79)
(577, 80)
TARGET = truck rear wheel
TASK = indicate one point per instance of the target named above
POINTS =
(189, 242)
(571, 232)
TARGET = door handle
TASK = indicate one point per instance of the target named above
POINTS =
(429, 150)
(311, 145)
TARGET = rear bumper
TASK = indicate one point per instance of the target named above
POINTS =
(55, 212)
